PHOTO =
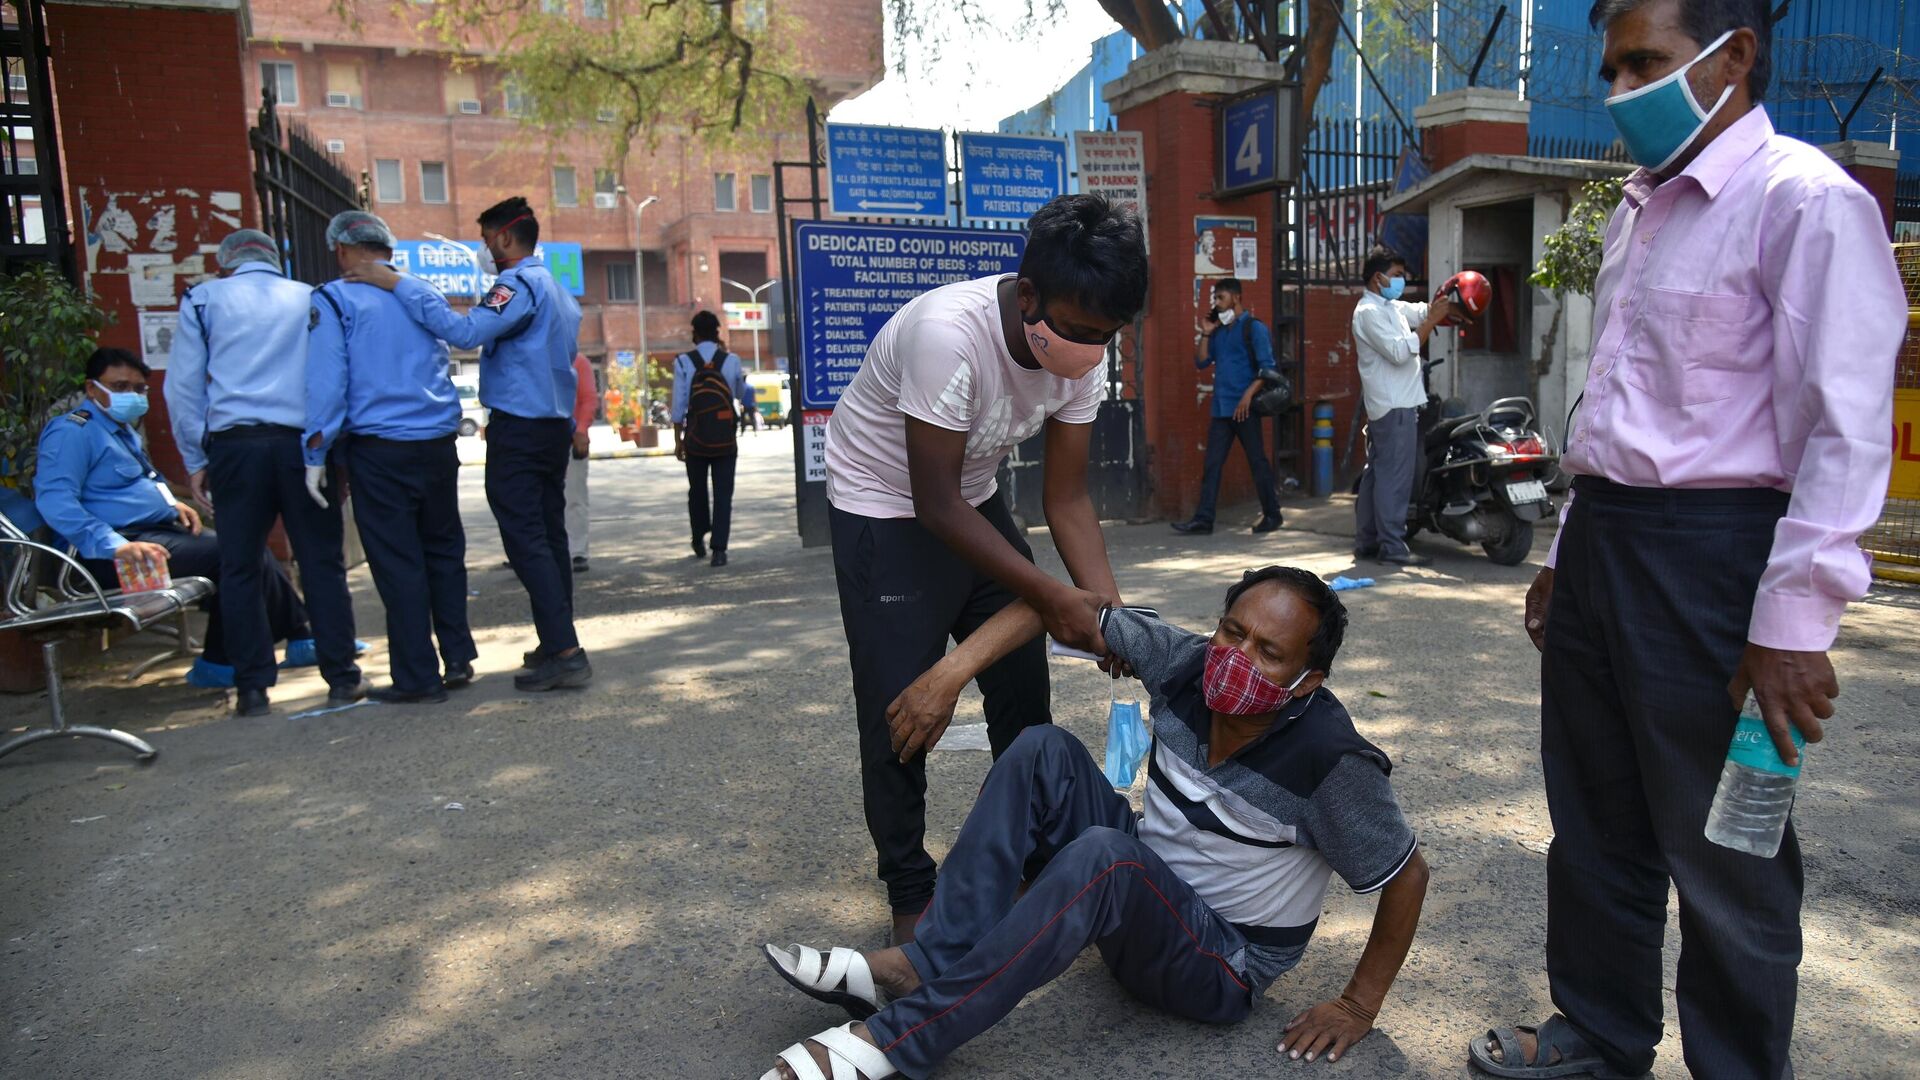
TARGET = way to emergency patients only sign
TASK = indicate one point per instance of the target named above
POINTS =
(1010, 177)
(849, 280)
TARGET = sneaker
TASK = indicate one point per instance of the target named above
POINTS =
(458, 675)
(210, 676)
(1194, 528)
(1266, 524)
(557, 671)
(1403, 558)
(579, 564)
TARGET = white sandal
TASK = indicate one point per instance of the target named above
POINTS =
(840, 977)
(852, 1058)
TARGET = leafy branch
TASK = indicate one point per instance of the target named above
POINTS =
(47, 332)
(1572, 258)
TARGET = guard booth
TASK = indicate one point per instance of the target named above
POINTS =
(874, 217)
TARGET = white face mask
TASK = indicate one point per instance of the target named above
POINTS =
(1226, 316)
(487, 265)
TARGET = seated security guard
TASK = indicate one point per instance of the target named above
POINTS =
(1259, 791)
(96, 488)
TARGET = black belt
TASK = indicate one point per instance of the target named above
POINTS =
(1276, 936)
(254, 431)
(384, 441)
(1602, 490)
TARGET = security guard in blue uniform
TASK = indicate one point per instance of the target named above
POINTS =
(97, 488)
(236, 391)
(379, 397)
(525, 327)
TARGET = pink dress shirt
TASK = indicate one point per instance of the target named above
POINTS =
(1747, 319)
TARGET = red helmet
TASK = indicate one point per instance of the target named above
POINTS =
(1471, 293)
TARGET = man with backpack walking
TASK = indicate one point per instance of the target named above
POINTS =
(707, 381)
(1237, 358)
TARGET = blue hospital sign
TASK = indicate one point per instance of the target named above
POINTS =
(1010, 176)
(850, 278)
(886, 171)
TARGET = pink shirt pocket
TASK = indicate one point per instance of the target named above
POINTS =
(1697, 348)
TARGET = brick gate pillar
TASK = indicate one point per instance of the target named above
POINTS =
(153, 120)
(1168, 95)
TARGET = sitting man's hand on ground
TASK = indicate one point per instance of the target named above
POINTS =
(1328, 1028)
(920, 715)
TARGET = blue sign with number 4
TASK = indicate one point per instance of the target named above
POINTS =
(1255, 142)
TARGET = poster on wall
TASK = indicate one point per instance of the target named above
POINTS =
(1113, 164)
(1214, 239)
(156, 337)
(1246, 258)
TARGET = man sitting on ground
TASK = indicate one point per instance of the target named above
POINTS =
(1260, 789)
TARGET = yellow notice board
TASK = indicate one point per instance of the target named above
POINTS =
(1906, 446)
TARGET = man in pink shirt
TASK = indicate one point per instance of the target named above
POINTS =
(1729, 450)
(586, 406)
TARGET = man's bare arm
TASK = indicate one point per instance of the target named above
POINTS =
(1331, 1027)
(920, 715)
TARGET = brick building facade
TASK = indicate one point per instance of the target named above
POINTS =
(438, 142)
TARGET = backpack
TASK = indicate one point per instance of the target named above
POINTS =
(711, 421)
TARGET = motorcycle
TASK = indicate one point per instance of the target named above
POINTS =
(1483, 475)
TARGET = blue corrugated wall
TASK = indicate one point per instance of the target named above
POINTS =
(1821, 47)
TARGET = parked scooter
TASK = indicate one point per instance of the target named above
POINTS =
(1483, 475)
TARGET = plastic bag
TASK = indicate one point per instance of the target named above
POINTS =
(1127, 742)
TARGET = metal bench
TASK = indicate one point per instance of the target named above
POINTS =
(77, 607)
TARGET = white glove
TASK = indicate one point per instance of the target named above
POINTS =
(317, 479)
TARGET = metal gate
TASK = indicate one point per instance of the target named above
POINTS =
(30, 186)
(301, 187)
(1117, 469)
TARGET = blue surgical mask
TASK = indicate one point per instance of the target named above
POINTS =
(1661, 119)
(126, 406)
(1393, 288)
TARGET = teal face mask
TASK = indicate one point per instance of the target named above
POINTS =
(1393, 288)
(1661, 119)
(125, 407)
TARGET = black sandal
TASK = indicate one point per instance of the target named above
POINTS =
(1558, 1051)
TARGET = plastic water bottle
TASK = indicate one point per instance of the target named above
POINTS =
(1750, 808)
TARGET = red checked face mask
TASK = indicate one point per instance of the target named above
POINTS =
(1233, 685)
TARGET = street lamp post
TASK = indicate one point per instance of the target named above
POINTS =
(640, 286)
(753, 294)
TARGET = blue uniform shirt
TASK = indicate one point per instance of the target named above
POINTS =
(525, 328)
(94, 480)
(372, 370)
(239, 357)
(683, 377)
(1233, 371)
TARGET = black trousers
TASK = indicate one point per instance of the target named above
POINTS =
(258, 474)
(1651, 599)
(1220, 436)
(720, 519)
(199, 556)
(527, 489)
(903, 593)
(407, 505)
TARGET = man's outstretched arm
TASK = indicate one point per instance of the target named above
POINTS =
(1331, 1027)
(920, 715)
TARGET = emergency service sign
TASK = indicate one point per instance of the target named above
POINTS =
(850, 279)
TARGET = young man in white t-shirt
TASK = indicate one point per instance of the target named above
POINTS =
(923, 545)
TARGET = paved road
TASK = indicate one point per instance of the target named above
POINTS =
(280, 898)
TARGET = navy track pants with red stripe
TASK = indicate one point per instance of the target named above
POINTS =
(1046, 811)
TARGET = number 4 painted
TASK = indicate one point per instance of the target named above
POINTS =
(1247, 160)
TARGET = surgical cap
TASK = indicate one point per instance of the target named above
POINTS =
(358, 227)
(245, 246)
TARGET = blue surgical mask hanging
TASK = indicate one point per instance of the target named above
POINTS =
(126, 407)
(1393, 288)
(1661, 119)
(1128, 741)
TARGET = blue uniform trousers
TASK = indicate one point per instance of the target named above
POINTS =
(527, 489)
(1047, 812)
(257, 474)
(406, 501)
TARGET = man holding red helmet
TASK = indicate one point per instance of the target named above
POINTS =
(1388, 333)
